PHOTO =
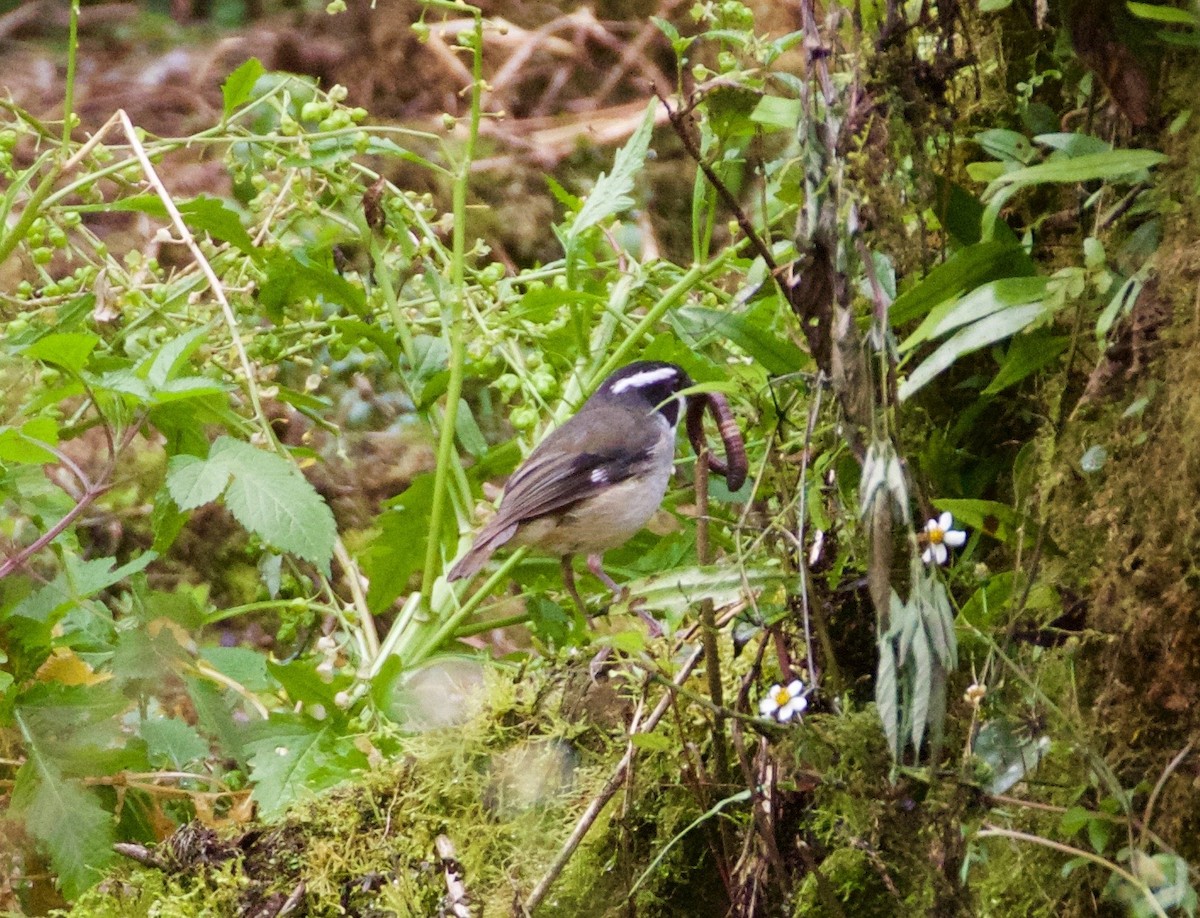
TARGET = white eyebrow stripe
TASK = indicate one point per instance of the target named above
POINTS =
(644, 378)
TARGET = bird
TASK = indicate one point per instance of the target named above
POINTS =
(594, 482)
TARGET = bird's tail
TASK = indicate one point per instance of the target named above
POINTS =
(489, 539)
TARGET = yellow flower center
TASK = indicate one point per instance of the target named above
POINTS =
(782, 697)
(936, 535)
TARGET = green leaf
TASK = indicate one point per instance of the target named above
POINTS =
(777, 355)
(399, 549)
(187, 387)
(172, 743)
(216, 719)
(985, 605)
(215, 217)
(168, 360)
(887, 693)
(203, 213)
(777, 113)
(677, 591)
(76, 830)
(652, 742)
(1005, 145)
(980, 334)
(1153, 12)
(69, 350)
(22, 444)
(246, 667)
(239, 85)
(193, 482)
(1088, 168)
(294, 276)
(1000, 521)
(264, 492)
(1072, 143)
(303, 683)
(292, 757)
(922, 681)
(977, 305)
(467, 430)
(270, 497)
(1026, 355)
(965, 270)
(1075, 819)
(612, 192)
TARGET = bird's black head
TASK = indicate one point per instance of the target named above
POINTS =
(652, 383)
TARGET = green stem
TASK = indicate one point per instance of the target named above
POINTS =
(69, 92)
(445, 455)
(448, 627)
(676, 292)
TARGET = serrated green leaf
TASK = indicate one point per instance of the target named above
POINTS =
(292, 757)
(612, 192)
(777, 355)
(246, 667)
(193, 482)
(303, 683)
(292, 277)
(67, 819)
(216, 719)
(69, 350)
(142, 656)
(239, 85)
(121, 382)
(166, 521)
(270, 497)
(214, 216)
(172, 743)
(399, 549)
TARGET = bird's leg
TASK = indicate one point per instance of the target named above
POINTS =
(569, 580)
(596, 566)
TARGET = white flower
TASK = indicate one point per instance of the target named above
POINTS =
(938, 535)
(784, 702)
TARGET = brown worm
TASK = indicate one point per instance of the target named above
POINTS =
(734, 466)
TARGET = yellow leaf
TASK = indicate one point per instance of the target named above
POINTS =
(64, 666)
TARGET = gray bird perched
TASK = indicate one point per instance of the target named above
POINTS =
(595, 481)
